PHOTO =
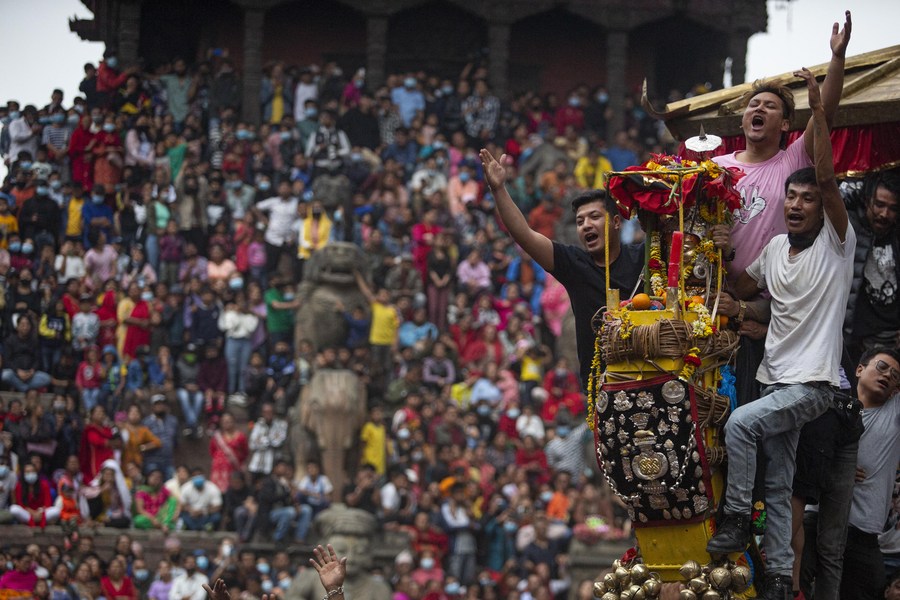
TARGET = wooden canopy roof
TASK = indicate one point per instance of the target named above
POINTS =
(871, 95)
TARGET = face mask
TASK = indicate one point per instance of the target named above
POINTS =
(285, 135)
(141, 574)
(356, 157)
(464, 177)
(513, 413)
(198, 481)
(409, 82)
(284, 584)
(73, 120)
(452, 588)
(146, 296)
(235, 185)
(510, 526)
(263, 568)
(14, 115)
(97, 199)
(202, 563)
(58, 406)
(15, 246)
(96, 118)
(311, 113)
(574, 102)
(563, 431)
(26, 165)
(55, 184)
(447, 89)
(112, 62)
(288, 296)
(4, 471)
(264, 186)
(267, 586)
(602, 97)
(42, 190)
(546, 496)
(27, 248)
(58, 118)
(484, 410)
(560, 372)
(427, 563)
(9, 565)
(109, 127)
(403, 434)
(31, 477)
(486, 582)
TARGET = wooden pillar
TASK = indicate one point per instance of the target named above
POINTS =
(252, 63)
(616, 63)
(129, 32)
(737, 50)
(498, 67)
(376, 50)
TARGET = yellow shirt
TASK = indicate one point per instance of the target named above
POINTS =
(277, 106)
(592, 175)
(531, 369)
(8, 225)
(374, 450)
(385, 323)
(74, 223)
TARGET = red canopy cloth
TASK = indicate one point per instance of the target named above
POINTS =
(857, 150)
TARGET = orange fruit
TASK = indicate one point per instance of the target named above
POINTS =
(640, 302)
(723, 321)
(696, 300)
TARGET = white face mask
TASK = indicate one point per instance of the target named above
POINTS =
(31, 478)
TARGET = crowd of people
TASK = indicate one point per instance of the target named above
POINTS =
(151, 245)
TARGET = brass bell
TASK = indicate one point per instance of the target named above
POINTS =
(609, 596)
(652, 588)
(698, 585)
(599, 589)
(639, 573)
(626, 594)
(687, 595)
(616, 564)
(623, 575)
(720, 578)
(689, 570)
(711, 595)
(611, 582)
(740, 578)
(637, 592)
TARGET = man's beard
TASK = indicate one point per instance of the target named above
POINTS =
(802, 242)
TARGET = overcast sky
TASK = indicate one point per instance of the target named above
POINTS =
(40, 53)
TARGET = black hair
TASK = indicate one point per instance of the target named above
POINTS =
(804, 176)
(868, 355)
(595, 196)
(889, 180)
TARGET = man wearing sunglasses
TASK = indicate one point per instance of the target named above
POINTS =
(830, 453)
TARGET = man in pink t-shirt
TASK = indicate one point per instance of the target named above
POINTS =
(766, 120)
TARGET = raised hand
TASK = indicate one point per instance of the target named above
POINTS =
(815, 96)
(840, 38)
(494, 171)
(331, 569)
(219, 591)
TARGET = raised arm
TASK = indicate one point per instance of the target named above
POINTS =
(833, 85)
(536, 245)
(823, 158)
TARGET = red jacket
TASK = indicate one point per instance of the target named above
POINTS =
(109, 79)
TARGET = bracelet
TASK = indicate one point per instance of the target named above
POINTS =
(338, 591)
(740, 315)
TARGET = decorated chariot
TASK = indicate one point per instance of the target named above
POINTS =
(661, 383)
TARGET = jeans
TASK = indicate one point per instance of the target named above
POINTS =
(244, 523)
(49, 357)
(90, 398)
(200, 523)
(37, 381)
(151, 247)
(282, 518)
(191, 405)
(237, 355)
(775, 421)
(304, 519)
(825, 531)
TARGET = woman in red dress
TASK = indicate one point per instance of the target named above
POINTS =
(137, 324)
(97, 443)
(81, 154)
(106, 312)
(531, 458)
(109, 158)
(229, 450)
(116, 585)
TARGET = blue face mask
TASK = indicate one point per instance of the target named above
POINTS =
(427, 563)
(513, 413)
(109, 127)
(235, 185)
(236, 283)
(112, 62)
(60, 118)
(198, 481)
(141, 574)
(546, 496)
(602, 97)
(464, 177)
(311, 113)
(284, 584)
(483, 410)
(267, 586)
(264, 186)
(285, 135)
(263, 568)
(27, 248)
(563, 431)
(447, 89)
(25, 165)
(242, 134)
(452, 588)
(574, 102)
(146, 296)
(55, 184)
(410, 82)
(73, 120)
(15, 246)
(14, 115)
(510, 526)
(202, 563)
(4, 471)
(42, 190)
(97, 199)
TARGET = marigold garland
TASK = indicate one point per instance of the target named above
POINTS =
(593, 380)
(691, 362)
(656, 266)
(626, 327)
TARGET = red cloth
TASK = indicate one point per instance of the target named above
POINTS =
(109, 79)
(125, 590)
(18, 581)
(82, 164)
(222, 467)
(857, 149)
(93, 450)
(136, 335)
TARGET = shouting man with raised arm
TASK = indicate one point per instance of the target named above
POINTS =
(807, 272)
(580, 270)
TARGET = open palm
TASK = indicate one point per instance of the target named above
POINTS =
(494, 171)
(332, 570)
